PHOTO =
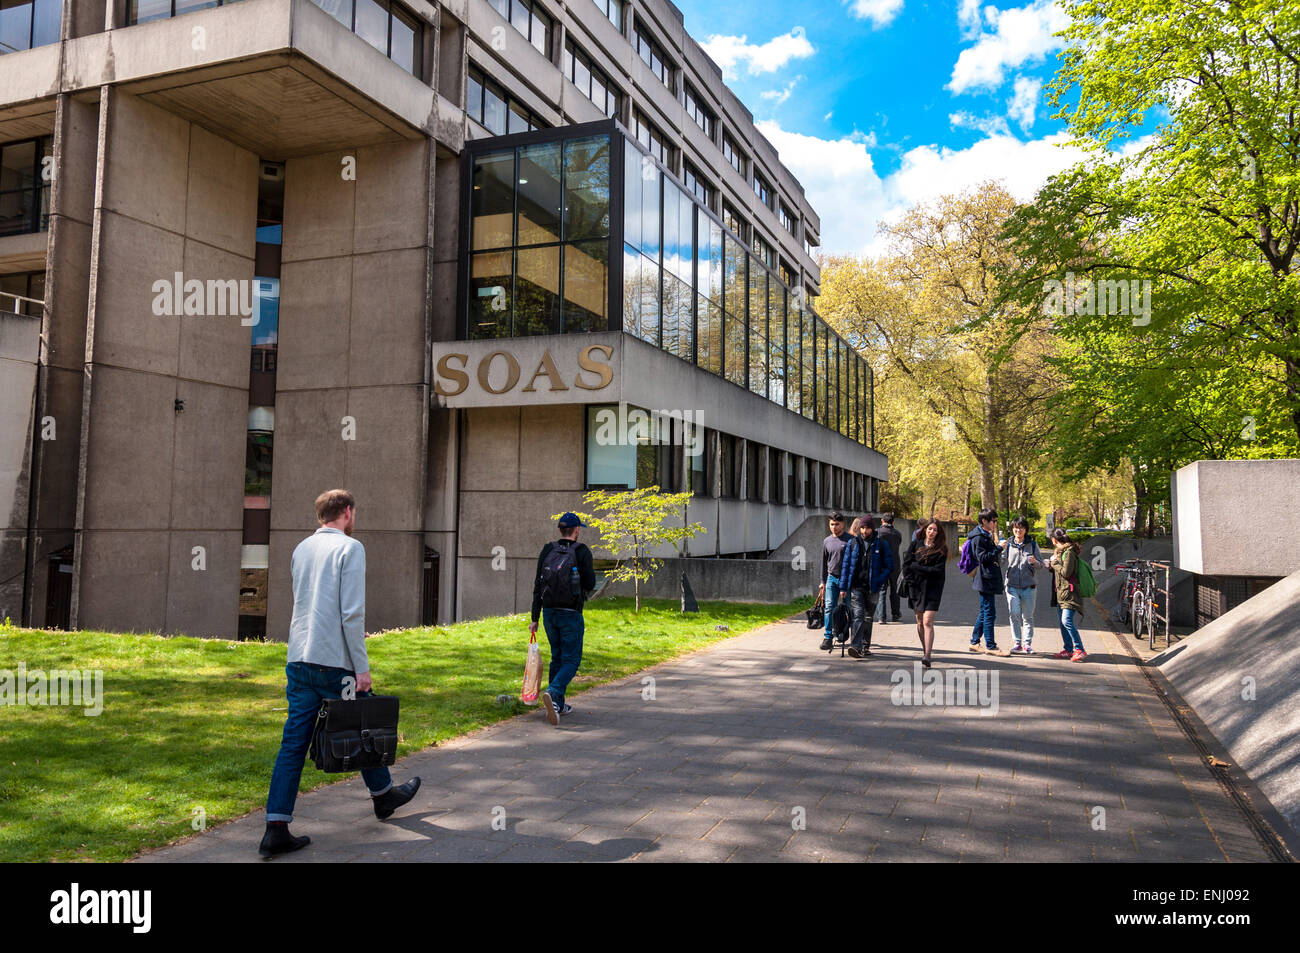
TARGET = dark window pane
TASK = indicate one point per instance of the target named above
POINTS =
(15, 26)
(539, 194)
(406, 41)
(372, 24)
(650, 212)
(494, 109)
(586, 188)
(649, 305)
(492, 205)
(45, 29)
(474, 97)
(710, 335)
(632, 195)
(490, 295)
(537, 293)
(586, 286)
(631, 290)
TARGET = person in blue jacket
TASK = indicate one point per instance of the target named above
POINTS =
(868, 563)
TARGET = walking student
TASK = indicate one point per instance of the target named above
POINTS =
(327, 643)
(894, 539)
(868, 566)
(1065, 566)
(925, 569)
(986, 553)
(1022, 557)
(832, 560)
(565, 574)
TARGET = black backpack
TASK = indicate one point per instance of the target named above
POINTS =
(557, 576)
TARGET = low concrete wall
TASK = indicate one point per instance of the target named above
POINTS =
(1239, 674)
(796, 573)
(1211, 500)
(730, 580)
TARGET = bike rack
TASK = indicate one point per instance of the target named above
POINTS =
(1167, 603)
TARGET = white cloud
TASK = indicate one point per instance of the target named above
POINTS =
(1023, 104)
(827, 117)
(730, 51)
(778, 96)
(989, 125)
(1015, 37)
(879, 12)
(968, 18)
(841, 182)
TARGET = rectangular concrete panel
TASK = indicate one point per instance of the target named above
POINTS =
(385, 463)
(215, 347)
(490, 449)
(147, 173)
(210, 447)
(319, 208)
(551, 451)
(221, 206)
(310, 455)
(315, 302)
(387, 330)
(123, 580)
(130, 452)
(203, 601)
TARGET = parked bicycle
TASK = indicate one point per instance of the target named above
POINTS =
(1139, 597)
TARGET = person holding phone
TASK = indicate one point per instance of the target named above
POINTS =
(1021, 557)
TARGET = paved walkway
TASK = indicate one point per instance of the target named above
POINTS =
(761, 749)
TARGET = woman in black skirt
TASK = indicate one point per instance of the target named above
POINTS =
(925, 567)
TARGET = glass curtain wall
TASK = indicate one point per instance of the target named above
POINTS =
(539, 239)
(538, 248)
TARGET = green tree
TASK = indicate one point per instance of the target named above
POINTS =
(634, 523)
(1203, 213)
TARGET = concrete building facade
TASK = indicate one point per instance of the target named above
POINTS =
(285, 245)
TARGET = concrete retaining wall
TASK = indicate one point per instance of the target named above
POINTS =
(1239, 674)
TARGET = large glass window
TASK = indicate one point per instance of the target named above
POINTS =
(388, 27)
(529, 19)
(701, 114)
(488, 104)
(654, 141)
(26, 24)
(776, 362)
(733, 154)
(757, 316)
(613, 9)
(653, 54)
(591, 81)
(539, 236)
(734, 295)
(24, 186)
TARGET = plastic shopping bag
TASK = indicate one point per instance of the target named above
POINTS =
(532, 673)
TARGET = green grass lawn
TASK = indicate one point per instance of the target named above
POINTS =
(191, 723)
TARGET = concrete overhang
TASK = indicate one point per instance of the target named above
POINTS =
(281, 78)
(1237, 517)
(24, 252)
(614, 367)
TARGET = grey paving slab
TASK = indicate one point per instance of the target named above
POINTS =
(762, 749)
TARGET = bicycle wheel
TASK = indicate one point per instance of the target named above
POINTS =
(1121, 608)
(1137, 613)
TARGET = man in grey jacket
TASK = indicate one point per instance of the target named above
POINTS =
(327, 653)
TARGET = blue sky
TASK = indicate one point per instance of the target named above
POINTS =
(877, 105)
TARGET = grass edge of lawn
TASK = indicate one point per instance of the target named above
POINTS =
(794, 606)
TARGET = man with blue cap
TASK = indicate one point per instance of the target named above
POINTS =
(565, 574)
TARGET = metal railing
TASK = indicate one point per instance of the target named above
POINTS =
(37, 305)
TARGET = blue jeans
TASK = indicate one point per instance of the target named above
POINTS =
(307, 686)
(1021, 602)
(1070, 631)
(564, 629)
(984, 622)
(832, 600)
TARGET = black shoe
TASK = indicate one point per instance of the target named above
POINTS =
(827, 644)
(278, 840)
(866, 651)
(855, 653)
(395, 797)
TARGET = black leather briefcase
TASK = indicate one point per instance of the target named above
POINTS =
(355, 733)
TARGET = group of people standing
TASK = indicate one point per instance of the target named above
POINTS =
(863, 564)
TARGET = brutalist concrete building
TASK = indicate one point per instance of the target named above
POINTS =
(467, 259)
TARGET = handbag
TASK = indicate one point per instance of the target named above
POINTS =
(532, 672)
(353, 734)
(817, 615)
